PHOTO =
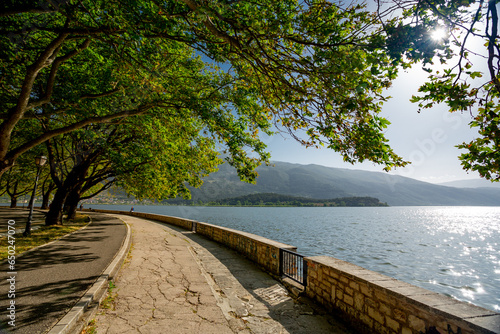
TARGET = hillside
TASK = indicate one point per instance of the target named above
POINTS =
(477, 183)
(270, 199)
(319, 182)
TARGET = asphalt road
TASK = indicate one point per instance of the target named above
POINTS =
(51, 279)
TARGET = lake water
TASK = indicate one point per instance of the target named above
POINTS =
(451, 250)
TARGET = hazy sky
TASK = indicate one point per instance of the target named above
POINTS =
(427, 139)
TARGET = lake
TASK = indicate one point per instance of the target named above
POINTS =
(451, 250)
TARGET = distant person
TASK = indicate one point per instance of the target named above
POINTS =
(132, 209)
(81, 207)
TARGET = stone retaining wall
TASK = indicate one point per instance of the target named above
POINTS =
(260, 250)
(181, 222)
(375, 303)
(187, 224)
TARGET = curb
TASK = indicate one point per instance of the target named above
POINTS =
(74, 320)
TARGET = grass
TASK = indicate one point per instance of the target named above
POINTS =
(40, 237)
(91, 328)
(108, 302)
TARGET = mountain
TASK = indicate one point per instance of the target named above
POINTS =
(314, 181)
(476, 183)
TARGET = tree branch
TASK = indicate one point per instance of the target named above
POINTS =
(67, 107)
(44, 60)
(53, 72)
(105, 187)
(212, 28)
(14, 154)
(492, 9)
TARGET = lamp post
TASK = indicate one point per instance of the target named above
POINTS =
(39, 161)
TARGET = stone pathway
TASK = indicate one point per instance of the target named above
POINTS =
(179, 282)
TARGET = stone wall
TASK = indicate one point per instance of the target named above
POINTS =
(187, 224)
(374, 303)
(263, 251)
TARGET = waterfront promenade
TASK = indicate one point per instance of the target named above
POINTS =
(176, 281)
(173, 281)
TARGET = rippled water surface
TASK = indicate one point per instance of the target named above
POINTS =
(451, 250)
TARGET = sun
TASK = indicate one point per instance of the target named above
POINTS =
(438, 34)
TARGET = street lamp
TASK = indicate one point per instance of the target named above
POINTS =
(39, 161)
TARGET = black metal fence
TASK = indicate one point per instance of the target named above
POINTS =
(293, 266)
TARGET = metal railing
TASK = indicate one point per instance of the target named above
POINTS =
(293, 266)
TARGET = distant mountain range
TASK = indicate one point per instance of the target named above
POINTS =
(319, 182)
(477, 183)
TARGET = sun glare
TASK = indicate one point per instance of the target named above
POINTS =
(438, 34)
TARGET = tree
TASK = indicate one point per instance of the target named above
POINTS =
(19, 180)
(165, 158)
(68, 170)
(81, 95)
(15, 184)
(148, 156)
(316, 69)
(470, 83)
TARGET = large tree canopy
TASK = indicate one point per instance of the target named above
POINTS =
(314, 68)
(466, 77)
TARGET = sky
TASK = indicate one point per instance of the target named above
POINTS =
(427, 139)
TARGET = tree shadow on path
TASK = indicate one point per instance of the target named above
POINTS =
(296, 316)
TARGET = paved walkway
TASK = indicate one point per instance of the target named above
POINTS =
(52, 278)
(179, 282)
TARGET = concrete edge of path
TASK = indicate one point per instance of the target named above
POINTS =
(75, 319)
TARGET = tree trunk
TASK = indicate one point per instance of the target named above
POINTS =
(73, 181)
(46, 196)
(13, 201)
(71, 202)
(55, 214)
(45, 201)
